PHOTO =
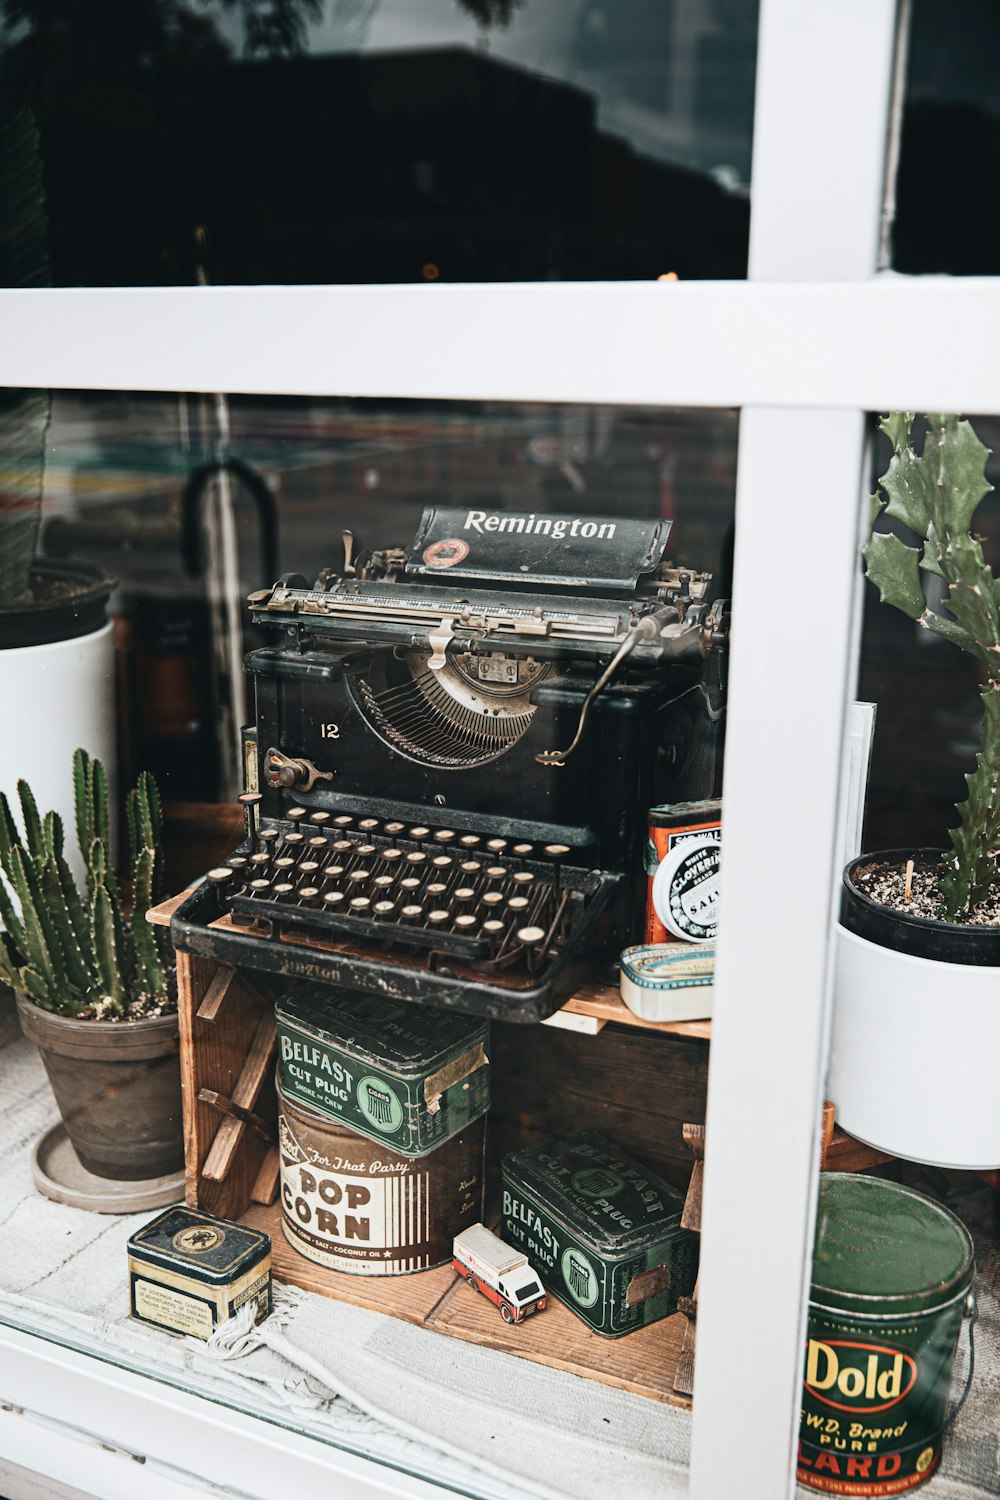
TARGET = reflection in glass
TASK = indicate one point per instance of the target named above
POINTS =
(388, 140)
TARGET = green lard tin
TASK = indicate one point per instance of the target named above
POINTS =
(408, 1076)
(892, 1280)
(603, 1232)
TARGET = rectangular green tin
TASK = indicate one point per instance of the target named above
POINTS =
(409, 1076)
(602, 1231)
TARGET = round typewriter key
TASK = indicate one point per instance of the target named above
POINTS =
(412, 913)
(267, 836)
(219, 875)
(360, 904)
(442, 862)
(308, 866)
(416, 857)
(393, 830)
(517, 903)
(283, 888)
(492, 898)
(295, 813)
(384, 908)
(471, 867)
(260, 885)
(465, 893)
(237, 862)
(365, 851)
(496, 872)
(284, 862)
(420, 832)
(333, 872)
(382, 882)
(342, 822)
(466, 922)
(445, 835)
(436, 888)
(391, 856)
(294, 839)
(368, 825)
(333, 898)
(438, 917)
(557, 851)
(470, 841)
(523, 850)
(493, 928)
(497, 846)
(523, 877)
(250, 799)
(319, 818)
(308, 894)
(530, 936)
(342, 846)
(410, 883)
(318, 841)
(359, 876)
(260, 860)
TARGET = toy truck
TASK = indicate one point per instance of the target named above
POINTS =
(499, 1271)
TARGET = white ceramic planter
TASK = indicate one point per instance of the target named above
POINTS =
(914, 1064)
(58, 696)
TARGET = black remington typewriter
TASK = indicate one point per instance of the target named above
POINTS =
(457, 743)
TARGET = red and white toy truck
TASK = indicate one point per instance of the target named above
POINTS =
(499, 1272)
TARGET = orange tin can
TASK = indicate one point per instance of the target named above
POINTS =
(669, 825)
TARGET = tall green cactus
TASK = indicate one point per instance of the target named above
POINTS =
(73, 952)
(935, 496)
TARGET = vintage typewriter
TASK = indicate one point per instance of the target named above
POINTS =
(457, 743)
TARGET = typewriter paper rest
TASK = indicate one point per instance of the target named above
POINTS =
(457, 744)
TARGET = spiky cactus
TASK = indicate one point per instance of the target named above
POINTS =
(71, 951)
(935, 495)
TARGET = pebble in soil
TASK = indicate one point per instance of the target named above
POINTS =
(886, 884)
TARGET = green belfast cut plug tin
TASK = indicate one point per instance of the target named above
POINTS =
(408, 1076)
(892, 1279)
(602, 1230)
(190, 1271)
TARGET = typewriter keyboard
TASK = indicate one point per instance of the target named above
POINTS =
(439, 895)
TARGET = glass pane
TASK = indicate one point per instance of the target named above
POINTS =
(950, 142)
(558, 604)
(908, 1202)
(389, 140)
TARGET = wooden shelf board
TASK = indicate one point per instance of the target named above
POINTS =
(605, 1003)
(643, 1362)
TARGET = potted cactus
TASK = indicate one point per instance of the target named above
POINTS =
(917, 1009)
(94, 985)
(56, 646)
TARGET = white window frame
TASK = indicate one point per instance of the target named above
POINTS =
(811, 341)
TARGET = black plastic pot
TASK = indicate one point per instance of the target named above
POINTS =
(118, 1088)
(923, 937)
(73, 602)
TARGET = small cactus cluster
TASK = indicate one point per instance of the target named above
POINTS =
(935, 496)
(72, 952)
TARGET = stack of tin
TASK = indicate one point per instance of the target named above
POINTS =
(381, 1128)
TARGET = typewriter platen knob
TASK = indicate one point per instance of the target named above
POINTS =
(292, 771)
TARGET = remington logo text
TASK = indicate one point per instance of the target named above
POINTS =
(556, 527)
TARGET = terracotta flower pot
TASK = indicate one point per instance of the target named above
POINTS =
(118, 1087)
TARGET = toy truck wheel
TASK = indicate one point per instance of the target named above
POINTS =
(506, 1313)
(473, 1283)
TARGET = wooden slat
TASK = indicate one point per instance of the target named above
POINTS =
(265, 1189)
(231, 1111)
(215, 995)
(605, 1002)
(232, 1131)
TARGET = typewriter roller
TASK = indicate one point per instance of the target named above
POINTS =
(457, 744)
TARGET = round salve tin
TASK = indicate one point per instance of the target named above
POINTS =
(892, 1279)
(686, 889)
(352, 1205)
(668, 981)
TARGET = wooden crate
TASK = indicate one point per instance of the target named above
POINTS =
(636, 1083)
